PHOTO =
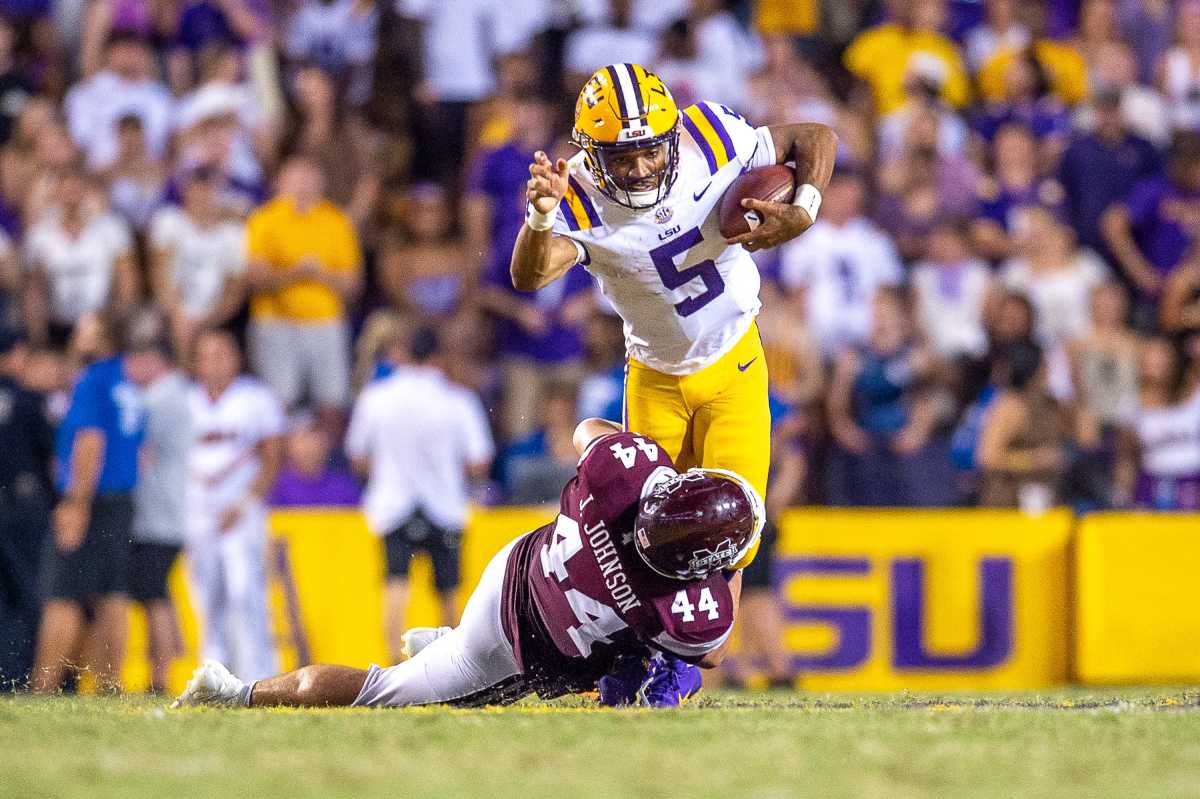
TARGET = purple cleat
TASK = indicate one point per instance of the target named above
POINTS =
(623, 685)
(659, 681)
(672, 682)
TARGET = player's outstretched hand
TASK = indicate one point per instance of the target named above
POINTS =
(781, 222)
(547, 182)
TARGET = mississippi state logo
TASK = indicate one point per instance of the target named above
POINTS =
(706, 560)
(662, 215)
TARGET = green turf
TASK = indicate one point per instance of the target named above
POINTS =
(1067, 744)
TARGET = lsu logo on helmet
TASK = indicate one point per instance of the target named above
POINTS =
(627, 107)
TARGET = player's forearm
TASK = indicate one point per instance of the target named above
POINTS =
(589, 430)
(812, 147)
(533, 264)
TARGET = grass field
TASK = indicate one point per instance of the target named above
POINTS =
(1067, 744)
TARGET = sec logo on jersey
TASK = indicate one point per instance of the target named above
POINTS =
(662, 215)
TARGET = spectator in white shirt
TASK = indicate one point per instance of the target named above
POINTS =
(843, 259)
(419, 438)
(951, 289)
(1056, 275)
(159, 500)
(461, 42)
(127, 86)
(679, 65)
(80, 261)
(137, 183)
(197, 259)
(725, 48)
(654, 16)
(224, 99)
(339, 36)
(617, 40)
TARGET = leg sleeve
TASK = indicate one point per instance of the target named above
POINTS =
(471, 658)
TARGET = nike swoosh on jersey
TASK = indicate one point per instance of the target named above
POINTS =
(750, 160)
(702, 192)
(743, 367)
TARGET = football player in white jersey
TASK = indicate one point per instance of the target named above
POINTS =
(637, 206)
(237, 428)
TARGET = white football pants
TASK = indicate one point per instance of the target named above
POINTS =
(471, 658)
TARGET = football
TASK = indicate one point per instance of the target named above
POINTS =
(768, 183)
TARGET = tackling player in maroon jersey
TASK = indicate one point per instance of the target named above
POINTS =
(634, 564)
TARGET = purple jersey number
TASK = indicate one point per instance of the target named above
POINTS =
(674, 277)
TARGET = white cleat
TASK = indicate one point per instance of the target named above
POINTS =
(418, 638)
(212, 684)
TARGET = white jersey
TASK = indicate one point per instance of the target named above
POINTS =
(419, 432)
(1061, 298)
(686, 297)
(950, 300)
(79, 269)
(201, 259)
(225, 435)
(840, 268)
(1170, 438)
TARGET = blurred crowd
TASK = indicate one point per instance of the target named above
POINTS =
(999, 304)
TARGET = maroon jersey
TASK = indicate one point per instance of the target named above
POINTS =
(576, 592)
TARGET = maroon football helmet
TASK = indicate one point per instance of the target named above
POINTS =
(698, 522)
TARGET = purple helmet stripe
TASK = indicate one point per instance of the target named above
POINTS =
(616, 87)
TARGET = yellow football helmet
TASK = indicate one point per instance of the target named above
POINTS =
(627, 107)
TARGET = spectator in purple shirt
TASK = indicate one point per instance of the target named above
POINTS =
(308, 477)
(494, 205)
(1099, 167)
(1028, 101)
(539, 336)
(1152, 229)
(1017, 183)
